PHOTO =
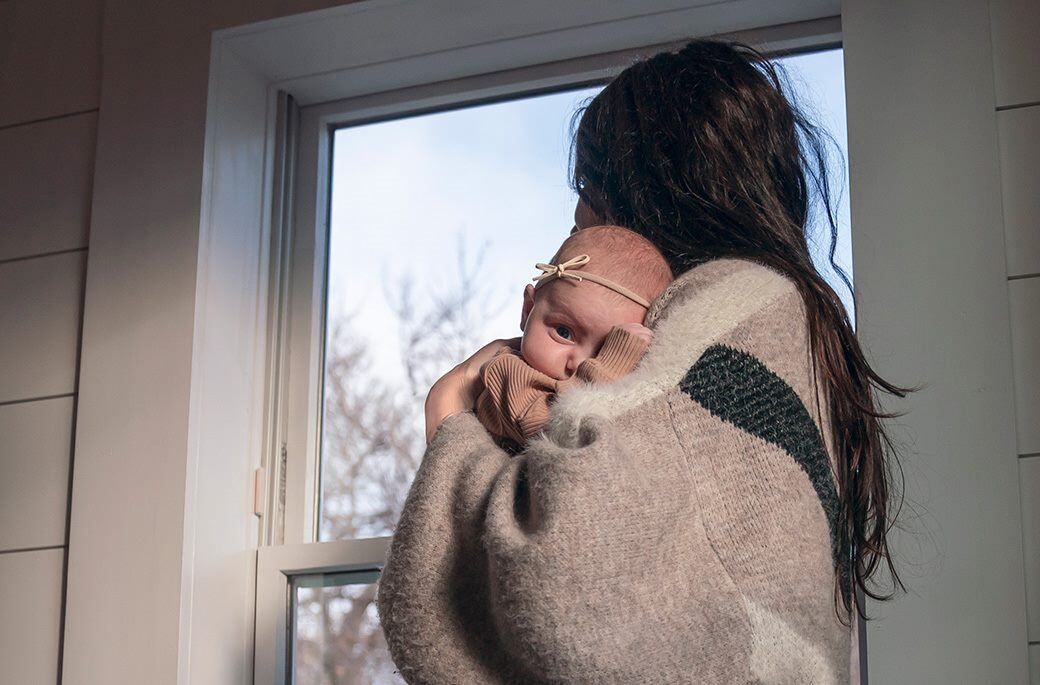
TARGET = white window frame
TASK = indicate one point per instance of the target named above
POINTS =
(288, 546)
(276, 567)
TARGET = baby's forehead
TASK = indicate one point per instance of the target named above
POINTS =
(586, 301)
(569, 292)
(601, 253)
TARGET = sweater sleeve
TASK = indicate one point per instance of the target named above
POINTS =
(433, 586)
(516, 397)
(573, 561)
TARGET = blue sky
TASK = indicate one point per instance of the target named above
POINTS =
(404, 192)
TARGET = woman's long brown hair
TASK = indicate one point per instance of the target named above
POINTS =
(703, 153)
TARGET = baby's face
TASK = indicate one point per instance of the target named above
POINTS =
(566, 322)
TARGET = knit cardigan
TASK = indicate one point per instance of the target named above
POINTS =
(675, 526)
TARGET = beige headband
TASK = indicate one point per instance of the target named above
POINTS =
(551, 271)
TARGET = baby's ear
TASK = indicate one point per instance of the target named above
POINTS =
(528, 305)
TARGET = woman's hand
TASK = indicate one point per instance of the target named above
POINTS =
(458, 389)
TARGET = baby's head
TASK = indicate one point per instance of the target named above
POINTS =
(565, 321)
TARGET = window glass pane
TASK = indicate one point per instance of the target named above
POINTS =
(436, 224)
(818, 81)
(336, 635)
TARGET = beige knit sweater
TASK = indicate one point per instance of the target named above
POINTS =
(675, 526)
(514, 404)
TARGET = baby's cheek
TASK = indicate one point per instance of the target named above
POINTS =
(525, 344)
(540, 352)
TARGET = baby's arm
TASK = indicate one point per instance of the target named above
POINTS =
(516, 397)
(621, 351)
(515, 401)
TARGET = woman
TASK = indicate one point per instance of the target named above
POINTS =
(710, 517)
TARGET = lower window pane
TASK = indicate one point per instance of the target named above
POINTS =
(337, 639)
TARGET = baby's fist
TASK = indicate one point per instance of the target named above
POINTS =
(638, 330)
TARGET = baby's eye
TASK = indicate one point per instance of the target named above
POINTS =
(563, 332)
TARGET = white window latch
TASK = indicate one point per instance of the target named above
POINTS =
(259, 480)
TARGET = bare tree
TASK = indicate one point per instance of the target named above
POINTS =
(448, 326)
(373, 441)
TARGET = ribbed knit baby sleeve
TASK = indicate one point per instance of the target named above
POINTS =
(620, 353)
(516, 397)
(515, 400)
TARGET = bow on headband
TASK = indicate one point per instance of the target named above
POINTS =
(551, 271)
(560, 270)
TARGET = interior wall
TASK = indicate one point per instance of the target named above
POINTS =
(50, 63)
(932, 278)
(127, 581)
(1015, 25)
(949, 304)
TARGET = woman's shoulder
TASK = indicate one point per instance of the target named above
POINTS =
(734, 304)
(725, 282)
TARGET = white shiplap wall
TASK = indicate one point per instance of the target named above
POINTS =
(1016, 56)
(49, 98)
(49, 70)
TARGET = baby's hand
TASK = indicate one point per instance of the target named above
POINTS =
(639, 330)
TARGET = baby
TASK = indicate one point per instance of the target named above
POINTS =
(582, 323)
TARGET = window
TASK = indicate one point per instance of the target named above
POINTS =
(818, 82)
(438, 201)
(337, 638)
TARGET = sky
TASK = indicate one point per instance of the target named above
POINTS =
(406, 192)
